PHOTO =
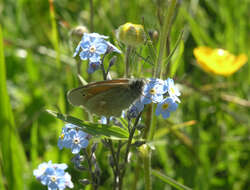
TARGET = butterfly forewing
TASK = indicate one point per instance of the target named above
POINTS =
(107, 98)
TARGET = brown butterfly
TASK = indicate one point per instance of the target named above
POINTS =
(107, 98)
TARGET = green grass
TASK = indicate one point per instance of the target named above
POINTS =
(37, 70)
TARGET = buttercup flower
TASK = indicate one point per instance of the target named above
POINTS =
(165, 107)
(53, 175)
(172, 90)
(219, 61)
(153, 91)
(131, 34)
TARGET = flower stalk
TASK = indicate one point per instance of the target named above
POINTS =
(157, 74)
(163, 38)
(127, 61)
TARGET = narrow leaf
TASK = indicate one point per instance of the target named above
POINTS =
(93, 128)
(169, 180)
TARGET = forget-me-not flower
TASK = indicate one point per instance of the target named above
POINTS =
(173, 91)
(93, 66)
(153, 91)
(64, 137)
(165, 107)
(77, 140)
(92, 46)
(53, 175)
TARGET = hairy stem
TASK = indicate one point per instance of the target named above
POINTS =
(92, 175)
(91, 15)
(131, 135)
(163, 38)
(127, 62)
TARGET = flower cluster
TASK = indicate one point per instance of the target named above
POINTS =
(73, 138)
(53, 175)
(154, 92)
(91, 47)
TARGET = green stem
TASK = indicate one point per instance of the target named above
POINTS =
(91, 15)
(54, 34)
(147, 168)
(92, 175)
(127, 62)
(131, 135)
(163, 38)
(157, 74)
(152, 124)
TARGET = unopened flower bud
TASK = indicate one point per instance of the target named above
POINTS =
(97, 170)
(144, 150)
(84, 181)
(154, 35)
(112, 61)
(94, 147)
(140, 127)
(131, 34)
(138, 143)
(76, 35)
(111, 161)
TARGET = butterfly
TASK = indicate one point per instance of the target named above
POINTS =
(107, 98)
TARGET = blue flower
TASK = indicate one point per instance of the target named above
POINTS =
(41, 171)
(64, 137)
(135, 109)
(173, 90)
(77, 140)
(103, 120)
(92, 46)
(153, 91)
(112, 48)
(165, 107)
(53, 175)
(93, 66)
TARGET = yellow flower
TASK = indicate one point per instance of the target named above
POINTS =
(131, 34)
(219, 61)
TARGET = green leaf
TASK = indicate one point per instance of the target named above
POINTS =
(93, 128)
(177, 59)
(12, 153)
(169, 180)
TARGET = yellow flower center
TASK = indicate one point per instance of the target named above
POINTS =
(76, 140)
(53, 178)
(62, 136)
(152, 91)
(165, 106)
(92, 49)
(172, 90)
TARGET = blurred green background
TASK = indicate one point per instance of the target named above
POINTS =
(204, 145)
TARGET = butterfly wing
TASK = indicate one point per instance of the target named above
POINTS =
(79, 96)
(106, 98)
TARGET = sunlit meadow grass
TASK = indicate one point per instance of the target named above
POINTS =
(205, 144)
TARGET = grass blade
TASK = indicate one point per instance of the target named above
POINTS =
(169, 180)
